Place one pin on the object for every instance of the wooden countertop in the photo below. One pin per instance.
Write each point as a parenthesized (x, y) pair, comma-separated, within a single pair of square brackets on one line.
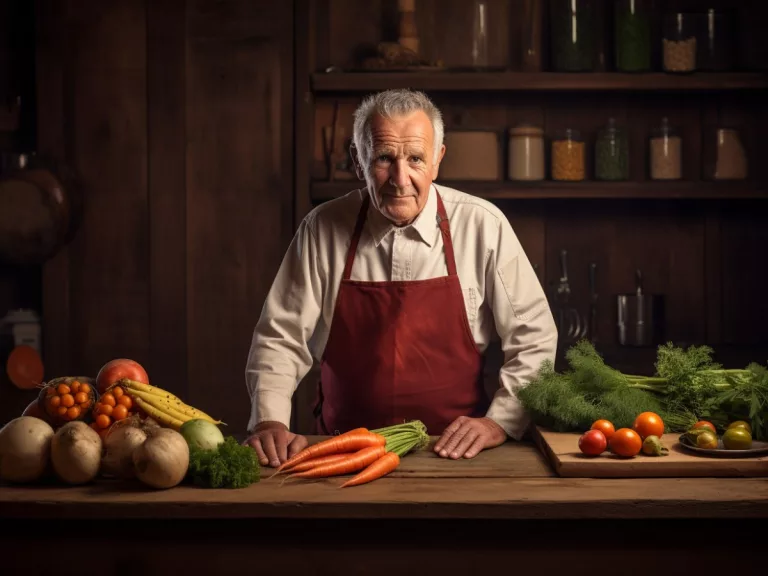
[(513, 481)]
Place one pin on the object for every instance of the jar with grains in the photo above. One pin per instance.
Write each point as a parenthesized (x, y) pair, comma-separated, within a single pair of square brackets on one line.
[(632, 32), (679, 43), (611, 153), (725, 157), (568, 156), (666, 153), (574, 35), (526, 153)]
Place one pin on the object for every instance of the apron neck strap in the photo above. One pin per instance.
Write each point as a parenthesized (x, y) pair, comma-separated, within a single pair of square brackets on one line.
[(442, 222)]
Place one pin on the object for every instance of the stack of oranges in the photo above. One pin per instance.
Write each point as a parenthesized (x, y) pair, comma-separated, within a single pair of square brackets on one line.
[(113, 406)]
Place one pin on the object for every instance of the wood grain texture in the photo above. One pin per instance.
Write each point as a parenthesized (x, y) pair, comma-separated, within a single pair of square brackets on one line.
[(239, 181), (166, 105), (568, 461), (109, 306)]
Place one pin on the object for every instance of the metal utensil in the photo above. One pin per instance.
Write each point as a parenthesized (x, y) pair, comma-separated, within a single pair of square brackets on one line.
[(640, 316), (568, 319)]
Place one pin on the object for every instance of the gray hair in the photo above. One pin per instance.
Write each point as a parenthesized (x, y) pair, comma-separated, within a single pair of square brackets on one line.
[(389, 104)]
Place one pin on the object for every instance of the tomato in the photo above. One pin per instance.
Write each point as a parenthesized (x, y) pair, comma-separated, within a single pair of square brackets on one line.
[(737, 439), (707, 440), (705, 424), (648, 424), (114, 370), (626, 442), (593, 443), (741, 424), (605, 426)]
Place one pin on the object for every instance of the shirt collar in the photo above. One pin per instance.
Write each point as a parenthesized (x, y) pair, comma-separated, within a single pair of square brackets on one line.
[(425, 223)]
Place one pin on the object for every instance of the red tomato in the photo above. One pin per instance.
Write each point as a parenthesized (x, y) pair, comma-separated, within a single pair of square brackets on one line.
[(648, 424), (114, 370), (626, 442), (705, 424), (605, 426), (593, 443)]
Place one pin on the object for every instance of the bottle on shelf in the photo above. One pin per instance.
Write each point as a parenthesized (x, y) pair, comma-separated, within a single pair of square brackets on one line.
[(574, 35), (568, 156), (665, 152), (679, 44), (724, 154), (611, 153), (526, 153), (632, 36)]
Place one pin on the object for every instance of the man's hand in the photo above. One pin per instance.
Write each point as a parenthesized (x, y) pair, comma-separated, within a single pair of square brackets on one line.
[(467, 437), (274, 443)]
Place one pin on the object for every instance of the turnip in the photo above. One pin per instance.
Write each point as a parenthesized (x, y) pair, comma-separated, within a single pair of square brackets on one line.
[(163, 460), (117, 459), (76, 453), (25, 447), (201, 434)]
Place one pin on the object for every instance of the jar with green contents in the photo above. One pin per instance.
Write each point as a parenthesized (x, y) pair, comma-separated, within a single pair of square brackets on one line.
[(611, 153), (632, 28), (574, 34)]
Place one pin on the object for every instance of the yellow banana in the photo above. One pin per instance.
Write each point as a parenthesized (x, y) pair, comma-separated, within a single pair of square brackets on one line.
[(163, 406), (162, 417), (146, 391)]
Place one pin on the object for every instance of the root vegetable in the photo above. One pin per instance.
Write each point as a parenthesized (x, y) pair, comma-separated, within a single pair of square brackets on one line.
[(25, 446), (76, 453), (119, 445), (163, 460)]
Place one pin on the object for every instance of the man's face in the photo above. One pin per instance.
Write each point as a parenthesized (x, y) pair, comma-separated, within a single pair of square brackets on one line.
[(402, 166)]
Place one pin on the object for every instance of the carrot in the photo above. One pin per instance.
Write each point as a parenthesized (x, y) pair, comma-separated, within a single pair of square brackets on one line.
[(311, 463), (351, 441), (352, 463), (377, 469)]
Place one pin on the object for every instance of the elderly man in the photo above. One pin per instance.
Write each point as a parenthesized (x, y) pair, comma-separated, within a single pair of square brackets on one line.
[(397, 289)]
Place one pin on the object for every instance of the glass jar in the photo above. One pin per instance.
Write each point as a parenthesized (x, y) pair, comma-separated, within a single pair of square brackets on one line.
[(666, 153), (526, 153), (632, 30), (611, 153), (725, 157), (568, 156), (530, 36), (574, 34), (679, 43), (715, 41)]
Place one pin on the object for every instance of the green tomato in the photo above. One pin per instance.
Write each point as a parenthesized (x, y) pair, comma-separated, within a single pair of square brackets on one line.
[(737, 439), (740, 424), (706, 440)]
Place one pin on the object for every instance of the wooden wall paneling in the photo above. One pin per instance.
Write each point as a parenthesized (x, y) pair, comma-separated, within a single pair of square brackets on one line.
[(53, 82), (354, 30), (239, 175), (744, 238), (109, 264), (166, 101), (305, 59)]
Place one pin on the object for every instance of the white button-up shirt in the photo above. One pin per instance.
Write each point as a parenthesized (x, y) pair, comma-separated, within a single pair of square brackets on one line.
[(502, 294)]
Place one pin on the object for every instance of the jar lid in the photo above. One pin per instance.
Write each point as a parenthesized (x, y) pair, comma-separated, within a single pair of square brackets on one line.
[(526, 130)]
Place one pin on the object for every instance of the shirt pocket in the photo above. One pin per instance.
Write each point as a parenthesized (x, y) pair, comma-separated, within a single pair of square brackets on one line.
[(470, 304)]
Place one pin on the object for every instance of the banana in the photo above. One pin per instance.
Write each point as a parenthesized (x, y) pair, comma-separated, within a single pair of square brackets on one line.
[(162, 417), (146, 392)]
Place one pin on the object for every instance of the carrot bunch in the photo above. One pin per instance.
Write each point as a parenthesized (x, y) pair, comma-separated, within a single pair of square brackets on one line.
[(371, 453)]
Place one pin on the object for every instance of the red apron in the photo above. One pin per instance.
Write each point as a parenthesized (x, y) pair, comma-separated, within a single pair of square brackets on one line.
[(400, 350)]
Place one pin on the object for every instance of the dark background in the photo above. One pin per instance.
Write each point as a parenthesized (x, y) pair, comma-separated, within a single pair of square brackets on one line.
[(194, 130)]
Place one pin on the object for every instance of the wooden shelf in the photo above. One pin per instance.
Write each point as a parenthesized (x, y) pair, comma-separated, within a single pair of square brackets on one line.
[(535, 81), (322, 191)]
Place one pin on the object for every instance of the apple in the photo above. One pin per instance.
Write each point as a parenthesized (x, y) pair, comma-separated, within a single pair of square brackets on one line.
[(119, 368)]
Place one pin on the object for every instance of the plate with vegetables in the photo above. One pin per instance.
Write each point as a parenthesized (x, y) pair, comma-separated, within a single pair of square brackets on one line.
[(735, 442)]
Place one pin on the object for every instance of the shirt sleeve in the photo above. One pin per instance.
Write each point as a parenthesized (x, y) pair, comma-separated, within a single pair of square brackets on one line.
[(524, 323), (279, 356)]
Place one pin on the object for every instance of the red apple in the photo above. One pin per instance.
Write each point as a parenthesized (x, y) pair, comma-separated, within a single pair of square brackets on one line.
[(119, 368)]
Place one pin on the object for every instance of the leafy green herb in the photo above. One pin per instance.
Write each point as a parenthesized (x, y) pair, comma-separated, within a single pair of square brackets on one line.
[(688, 386), (230, 465)]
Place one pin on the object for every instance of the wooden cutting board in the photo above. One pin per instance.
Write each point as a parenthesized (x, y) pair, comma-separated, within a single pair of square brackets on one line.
[(562, 449)]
